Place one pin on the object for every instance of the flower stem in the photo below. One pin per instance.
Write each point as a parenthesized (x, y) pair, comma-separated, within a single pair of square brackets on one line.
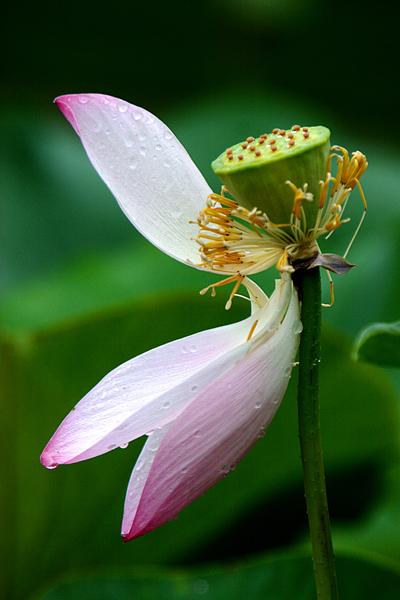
[(309, 284)]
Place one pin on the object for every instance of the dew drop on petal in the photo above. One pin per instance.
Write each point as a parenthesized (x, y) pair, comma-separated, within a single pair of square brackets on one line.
[(193, 348), (184, 470), (197, 433), (158, 147), (133, 163), (137, 115), (194, 388), (123, 446), (122, 108), (166, 404), (297, 326), (257, 405), (111, 447), (52, 466), (184, 350), (83, 99), (276, 400), (168, 135)]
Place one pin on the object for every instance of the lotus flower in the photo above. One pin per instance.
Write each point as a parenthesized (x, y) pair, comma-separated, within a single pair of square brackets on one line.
[(204, 400)]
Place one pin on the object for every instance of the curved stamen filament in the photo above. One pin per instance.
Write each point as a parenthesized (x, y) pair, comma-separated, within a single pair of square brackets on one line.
[(237, 242)]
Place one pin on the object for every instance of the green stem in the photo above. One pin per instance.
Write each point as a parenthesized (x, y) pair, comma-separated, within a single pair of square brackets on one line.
[(309, 284)]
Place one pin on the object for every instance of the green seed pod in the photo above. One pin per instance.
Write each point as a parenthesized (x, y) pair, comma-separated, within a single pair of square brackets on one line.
[(256, 171)]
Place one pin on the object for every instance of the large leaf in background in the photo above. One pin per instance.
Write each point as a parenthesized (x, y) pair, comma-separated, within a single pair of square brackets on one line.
[(75, 511), (278, 578), (379, 344)]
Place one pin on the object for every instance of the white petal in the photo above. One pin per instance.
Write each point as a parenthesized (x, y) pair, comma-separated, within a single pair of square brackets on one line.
[(215, 431), (139, 475), (142, 394), (147, 169)]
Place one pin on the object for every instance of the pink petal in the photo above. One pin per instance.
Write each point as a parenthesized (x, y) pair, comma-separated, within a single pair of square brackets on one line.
[(147, 169), (215, 431), (142, 394)]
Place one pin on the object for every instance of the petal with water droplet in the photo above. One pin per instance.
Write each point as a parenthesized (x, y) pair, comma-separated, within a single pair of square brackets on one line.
[(147, 169), (216, 430), (142, 394)]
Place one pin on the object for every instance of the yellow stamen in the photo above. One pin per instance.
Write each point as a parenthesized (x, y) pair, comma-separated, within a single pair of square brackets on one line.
[(252, 330)]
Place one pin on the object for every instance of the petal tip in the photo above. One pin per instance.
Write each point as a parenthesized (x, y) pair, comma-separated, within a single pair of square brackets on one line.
[(63, 104), (47, 460)]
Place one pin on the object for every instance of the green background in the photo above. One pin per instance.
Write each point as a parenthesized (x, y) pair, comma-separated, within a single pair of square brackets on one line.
[(81, 291)]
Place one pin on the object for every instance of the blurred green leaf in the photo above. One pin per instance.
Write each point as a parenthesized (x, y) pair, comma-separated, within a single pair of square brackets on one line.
[(379, 344), (278, 578)]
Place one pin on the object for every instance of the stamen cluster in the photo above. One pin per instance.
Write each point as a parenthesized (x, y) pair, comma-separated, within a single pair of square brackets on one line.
[(241, 242)]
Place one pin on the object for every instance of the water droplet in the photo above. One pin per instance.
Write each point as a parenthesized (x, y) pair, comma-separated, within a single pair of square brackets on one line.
[(142, 137), (168, 135), (257, 405), (184, 470), (184, 350), (122, 108), (193, 348), (194, 388), (288, 370), (166, 163), (123, 446), (233, 467), (129, 142), (143, 150), (83, 99), (111, 447), (276, 400), (226, 469), (158, 147), (297, 326), (133, 163), (137, 115), (139, 465), (52, 466), (166, 404), (197, 433)]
